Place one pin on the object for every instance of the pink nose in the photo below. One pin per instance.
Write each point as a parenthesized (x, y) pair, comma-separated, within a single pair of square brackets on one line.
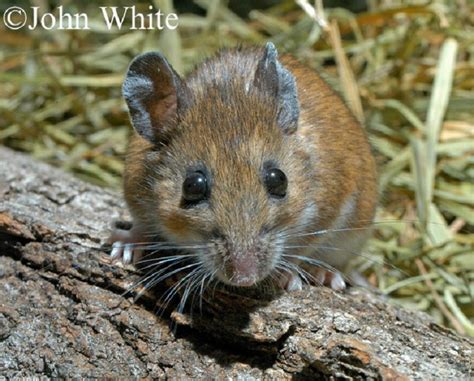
[(243, 271)]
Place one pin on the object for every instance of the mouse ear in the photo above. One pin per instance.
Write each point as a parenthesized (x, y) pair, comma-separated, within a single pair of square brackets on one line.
[(155, 94), (275, 81)]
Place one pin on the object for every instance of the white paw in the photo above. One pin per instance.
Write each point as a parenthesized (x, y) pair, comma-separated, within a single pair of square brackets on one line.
[(125, 246), (294, 283), (328, 278), (336, 282), (291, 282), (122, 252)]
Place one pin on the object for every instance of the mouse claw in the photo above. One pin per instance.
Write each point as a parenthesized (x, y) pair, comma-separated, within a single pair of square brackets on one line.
[(330, 279), (291, 282), (124, 246), (336, 282), (116, 250), (127, 254), (294, 283)]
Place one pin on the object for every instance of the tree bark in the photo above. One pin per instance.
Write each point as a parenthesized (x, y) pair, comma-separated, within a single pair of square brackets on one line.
[(62, 313)]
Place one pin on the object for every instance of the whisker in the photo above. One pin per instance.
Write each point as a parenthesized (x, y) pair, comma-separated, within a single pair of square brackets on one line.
[(293, 267), (287, 232), (273, 276), (142, 280), (194, 287), (326, 231), (168, 275), (204, 287), (157, 248), (155, 253), (318, 263), (214, 289), (355, 253), (167, 258), (168, 295), (161, 260), (198, 285), (157, 277)]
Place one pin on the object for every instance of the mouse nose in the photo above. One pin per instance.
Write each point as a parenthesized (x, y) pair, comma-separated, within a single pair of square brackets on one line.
[(242, 270), (239, 260)]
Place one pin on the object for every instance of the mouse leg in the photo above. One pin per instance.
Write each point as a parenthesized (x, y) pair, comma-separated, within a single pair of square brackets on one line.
[(124, 245)]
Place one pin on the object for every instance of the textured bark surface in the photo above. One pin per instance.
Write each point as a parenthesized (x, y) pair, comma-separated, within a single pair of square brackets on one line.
[(62, 313)]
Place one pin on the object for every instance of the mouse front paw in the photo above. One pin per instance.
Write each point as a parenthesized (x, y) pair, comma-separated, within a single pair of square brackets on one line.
[(290, 281), (332, 279), (125, 246)]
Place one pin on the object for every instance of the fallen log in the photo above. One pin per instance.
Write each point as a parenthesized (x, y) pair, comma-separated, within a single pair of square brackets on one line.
[(63, 313)]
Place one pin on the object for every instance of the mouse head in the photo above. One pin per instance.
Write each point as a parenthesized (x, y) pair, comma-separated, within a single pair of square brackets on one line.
[(228, 173)]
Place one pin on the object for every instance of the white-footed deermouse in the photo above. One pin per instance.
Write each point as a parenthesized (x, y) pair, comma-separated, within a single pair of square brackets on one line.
[(253, 162)]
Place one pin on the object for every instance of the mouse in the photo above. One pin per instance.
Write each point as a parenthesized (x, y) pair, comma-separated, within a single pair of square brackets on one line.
[(252, 164)]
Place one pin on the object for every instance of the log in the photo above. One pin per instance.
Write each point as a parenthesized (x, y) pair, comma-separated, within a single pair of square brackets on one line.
[(63, 312)]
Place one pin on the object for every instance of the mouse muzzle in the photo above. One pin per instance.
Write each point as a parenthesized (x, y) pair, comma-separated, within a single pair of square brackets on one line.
[(243, 263), (241, 269)]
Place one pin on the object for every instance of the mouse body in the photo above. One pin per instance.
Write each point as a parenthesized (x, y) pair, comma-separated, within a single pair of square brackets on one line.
[(253, 162)]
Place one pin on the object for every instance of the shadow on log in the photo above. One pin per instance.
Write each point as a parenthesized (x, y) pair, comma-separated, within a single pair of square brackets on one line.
[(62, 313)]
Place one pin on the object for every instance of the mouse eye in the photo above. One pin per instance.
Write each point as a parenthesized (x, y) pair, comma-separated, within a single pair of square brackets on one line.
[(276, 182), (195, 187)]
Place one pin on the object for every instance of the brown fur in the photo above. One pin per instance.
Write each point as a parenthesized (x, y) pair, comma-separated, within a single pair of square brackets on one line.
[(327, 162)]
